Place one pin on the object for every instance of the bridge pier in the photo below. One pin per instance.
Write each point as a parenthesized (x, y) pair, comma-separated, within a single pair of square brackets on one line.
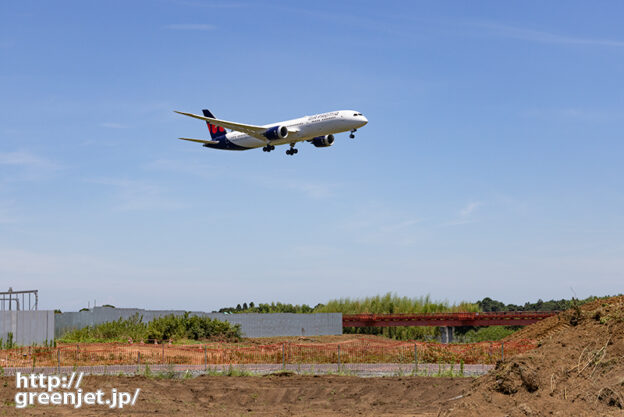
[(447, 334)]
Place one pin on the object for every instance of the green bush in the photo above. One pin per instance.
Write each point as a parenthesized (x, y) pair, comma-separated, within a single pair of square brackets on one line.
[(268, 308), (192, 328), (170, 327), (487, 334)]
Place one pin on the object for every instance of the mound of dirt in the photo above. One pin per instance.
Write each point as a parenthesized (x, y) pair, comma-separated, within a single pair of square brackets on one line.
[(577, 369)]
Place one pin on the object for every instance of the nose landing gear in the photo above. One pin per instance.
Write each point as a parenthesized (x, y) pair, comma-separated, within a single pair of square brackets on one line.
[(268, 148), (292, 150), (352, 136)]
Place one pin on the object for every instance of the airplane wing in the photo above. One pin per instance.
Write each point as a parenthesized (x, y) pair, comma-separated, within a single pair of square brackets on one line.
[(252, 130), (209, 142)]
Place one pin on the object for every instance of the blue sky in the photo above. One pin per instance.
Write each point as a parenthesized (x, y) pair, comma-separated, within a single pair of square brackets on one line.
[(491, 164)]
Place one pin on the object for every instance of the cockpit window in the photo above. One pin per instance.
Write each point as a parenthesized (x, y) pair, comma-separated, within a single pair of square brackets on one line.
[(357, 114)]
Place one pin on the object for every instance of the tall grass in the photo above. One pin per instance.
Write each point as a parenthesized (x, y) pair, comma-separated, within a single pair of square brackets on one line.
[(393, 304)]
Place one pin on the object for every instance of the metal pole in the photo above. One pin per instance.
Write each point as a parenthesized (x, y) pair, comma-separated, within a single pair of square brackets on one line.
[(205, 358), (138, 361), (58, 360), (283, 355), (338, 358), (503, 351), (416, 356), (163, 352)]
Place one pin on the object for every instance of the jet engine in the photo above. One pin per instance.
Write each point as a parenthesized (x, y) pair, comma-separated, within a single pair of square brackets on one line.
[(276, 132), (323, 141)]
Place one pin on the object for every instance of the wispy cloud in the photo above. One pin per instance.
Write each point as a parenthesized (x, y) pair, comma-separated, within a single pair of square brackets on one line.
[(26, 166), (311, 189), (576, 114), (135, 195), (466, 214), (191, 26), (315, 190), (194, 168), (25, 159), (469, 209), (532, 35), (381, 225)]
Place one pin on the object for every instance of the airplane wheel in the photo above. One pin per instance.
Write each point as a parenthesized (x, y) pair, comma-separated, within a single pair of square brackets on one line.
[(352, 136), (288, 152), (295, 150)]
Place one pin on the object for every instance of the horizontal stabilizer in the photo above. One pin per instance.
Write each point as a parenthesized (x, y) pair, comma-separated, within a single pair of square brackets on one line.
[(209, 142), (252, 130)]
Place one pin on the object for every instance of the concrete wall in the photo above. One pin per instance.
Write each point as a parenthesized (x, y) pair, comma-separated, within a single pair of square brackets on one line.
[(28, 327), (252, 324)]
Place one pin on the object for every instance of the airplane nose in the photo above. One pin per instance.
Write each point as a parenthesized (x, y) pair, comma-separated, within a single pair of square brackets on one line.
[(364, 120)]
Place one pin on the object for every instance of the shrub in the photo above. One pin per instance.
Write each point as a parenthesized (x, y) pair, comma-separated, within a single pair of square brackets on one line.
[(487, 334), (170, 327), (191, 327)]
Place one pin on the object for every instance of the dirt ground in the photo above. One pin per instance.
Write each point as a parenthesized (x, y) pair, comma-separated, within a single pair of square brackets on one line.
[(288, 395), (577, 369)]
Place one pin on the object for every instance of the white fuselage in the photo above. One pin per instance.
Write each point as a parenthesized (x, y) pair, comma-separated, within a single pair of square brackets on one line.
[(305, 128)]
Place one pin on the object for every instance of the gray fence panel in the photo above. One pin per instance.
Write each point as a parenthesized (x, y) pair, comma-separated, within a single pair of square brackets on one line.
[(28, 327), (252, 324)]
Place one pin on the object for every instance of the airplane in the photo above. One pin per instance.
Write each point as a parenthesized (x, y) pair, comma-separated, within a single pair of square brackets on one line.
[(318, 129)]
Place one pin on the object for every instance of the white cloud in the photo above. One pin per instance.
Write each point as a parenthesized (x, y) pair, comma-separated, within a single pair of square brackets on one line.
[(311, 189), (469, 209), (26, 166), (198, 169), (377, 224), (466, 214), (576, 114), (547, 37), (191, 26), (25, 159)]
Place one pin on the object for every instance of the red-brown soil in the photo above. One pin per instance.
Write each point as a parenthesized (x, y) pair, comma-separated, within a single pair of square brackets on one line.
[(288, 395), (577, 370)]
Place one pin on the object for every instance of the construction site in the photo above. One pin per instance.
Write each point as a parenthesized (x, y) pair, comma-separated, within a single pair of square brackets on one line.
[(566, 363)]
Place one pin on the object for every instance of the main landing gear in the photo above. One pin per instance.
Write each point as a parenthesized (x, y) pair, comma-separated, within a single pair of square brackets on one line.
[(292, 150), (268, 148), (352, 136)]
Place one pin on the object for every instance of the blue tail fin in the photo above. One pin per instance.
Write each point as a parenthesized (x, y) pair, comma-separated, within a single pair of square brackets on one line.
[(215, 131)]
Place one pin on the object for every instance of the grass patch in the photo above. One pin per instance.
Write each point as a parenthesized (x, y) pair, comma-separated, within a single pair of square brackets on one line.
[(171, 327)]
